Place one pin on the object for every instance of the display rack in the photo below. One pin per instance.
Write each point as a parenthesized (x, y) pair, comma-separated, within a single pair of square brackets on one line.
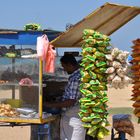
[(13, 70)]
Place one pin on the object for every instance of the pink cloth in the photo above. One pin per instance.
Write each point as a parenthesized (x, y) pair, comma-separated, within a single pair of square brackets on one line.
[(47, 53)]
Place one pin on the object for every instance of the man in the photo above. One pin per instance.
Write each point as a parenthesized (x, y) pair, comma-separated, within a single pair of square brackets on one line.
[(70, 124)]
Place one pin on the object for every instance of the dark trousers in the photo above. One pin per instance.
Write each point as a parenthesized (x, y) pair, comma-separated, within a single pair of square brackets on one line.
[(90, 138)]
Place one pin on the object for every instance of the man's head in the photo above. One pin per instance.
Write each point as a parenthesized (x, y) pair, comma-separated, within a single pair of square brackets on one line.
[(69, 63)]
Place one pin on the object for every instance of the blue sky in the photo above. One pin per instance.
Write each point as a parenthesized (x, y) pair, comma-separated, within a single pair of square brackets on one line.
[(55, 14)]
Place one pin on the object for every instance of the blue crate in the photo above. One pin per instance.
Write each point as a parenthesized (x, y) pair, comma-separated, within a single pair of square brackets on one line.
[(44, 131)]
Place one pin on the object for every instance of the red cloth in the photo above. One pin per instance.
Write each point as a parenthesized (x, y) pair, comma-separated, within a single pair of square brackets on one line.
[(47, 53)]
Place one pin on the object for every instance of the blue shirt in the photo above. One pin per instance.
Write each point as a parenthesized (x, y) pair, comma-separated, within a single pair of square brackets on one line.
[(72, 89)]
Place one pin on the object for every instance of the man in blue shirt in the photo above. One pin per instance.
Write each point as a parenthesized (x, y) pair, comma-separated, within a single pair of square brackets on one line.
[(70, 124)]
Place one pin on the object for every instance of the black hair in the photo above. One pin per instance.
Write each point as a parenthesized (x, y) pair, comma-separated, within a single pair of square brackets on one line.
[(68, 59)]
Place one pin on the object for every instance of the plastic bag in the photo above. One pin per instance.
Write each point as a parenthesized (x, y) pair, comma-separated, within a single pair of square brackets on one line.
[(26, 81), (116, 64), (111, 77), (116, 81), (110, 70), (109, 57), (115, 52), (122, 56), (120, 72), (121, 85)]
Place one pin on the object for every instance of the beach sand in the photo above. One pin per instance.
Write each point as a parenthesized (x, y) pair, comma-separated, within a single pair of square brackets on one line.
[(119, 102)]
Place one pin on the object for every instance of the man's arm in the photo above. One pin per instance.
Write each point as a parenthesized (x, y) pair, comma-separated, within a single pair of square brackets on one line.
[(66, 103)]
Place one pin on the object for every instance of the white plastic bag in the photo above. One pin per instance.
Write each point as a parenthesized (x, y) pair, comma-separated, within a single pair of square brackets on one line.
[(109, 57), (120, 72), (122, 56), (115, 52), (111, 77), (116, 64), (116, 81), (110, 70)]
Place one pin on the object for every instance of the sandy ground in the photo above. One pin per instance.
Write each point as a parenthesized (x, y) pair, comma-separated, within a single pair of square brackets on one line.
[(117, 99)]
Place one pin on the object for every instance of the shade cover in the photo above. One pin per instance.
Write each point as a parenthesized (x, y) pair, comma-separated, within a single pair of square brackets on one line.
[(106, 19)]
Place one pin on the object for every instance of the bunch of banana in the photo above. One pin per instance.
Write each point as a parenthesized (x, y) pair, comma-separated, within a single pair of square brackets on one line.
[(136, 72), (32, 26), (93, 107)]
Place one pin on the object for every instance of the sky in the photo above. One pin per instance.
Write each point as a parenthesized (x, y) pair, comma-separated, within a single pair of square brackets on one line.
[(55, 14)]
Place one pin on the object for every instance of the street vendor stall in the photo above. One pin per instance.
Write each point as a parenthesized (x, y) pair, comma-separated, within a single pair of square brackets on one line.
[(21, 76), (21, 73), (91, 35)]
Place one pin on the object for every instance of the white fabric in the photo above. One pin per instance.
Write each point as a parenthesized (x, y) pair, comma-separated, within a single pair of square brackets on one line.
[(39, 47), (71, 126)]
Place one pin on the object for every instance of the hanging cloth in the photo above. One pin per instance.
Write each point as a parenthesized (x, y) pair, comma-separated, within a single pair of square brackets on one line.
[(46, 52)]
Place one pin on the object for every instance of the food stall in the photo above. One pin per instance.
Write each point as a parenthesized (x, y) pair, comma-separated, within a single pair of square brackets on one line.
[(90, 36), (28, 98), (21, 73)]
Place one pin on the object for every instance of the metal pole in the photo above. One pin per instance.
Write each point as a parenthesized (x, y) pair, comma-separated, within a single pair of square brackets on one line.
[(13, 70), (40, 88)]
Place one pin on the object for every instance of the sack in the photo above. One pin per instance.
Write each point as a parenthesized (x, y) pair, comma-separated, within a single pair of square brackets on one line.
[(122, 122)]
